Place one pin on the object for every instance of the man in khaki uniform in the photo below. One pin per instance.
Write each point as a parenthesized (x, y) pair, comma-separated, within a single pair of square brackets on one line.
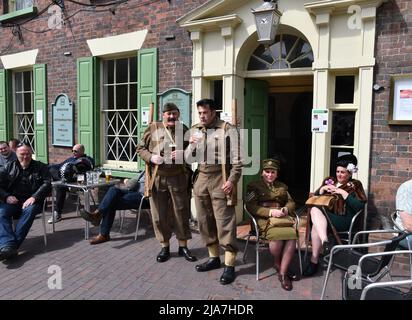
[(213, 191), (162, 147)]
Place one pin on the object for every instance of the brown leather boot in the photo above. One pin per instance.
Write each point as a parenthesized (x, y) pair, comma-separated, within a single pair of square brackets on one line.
[(93, 217), (100, 239)]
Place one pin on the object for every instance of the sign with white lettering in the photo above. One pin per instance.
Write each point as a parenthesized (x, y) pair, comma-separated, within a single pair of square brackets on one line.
[(63, 124)]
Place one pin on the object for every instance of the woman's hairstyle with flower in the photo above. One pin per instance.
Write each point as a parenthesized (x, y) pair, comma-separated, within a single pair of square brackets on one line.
[(349, 162)]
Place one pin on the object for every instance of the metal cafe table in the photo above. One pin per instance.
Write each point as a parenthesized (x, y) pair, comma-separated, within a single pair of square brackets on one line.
[(81, 187)]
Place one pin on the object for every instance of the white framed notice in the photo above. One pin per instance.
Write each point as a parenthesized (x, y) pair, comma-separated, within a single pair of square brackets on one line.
[(320, 120)]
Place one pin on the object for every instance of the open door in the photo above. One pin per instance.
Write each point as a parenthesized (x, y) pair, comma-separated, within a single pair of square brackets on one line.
[(256, 110)]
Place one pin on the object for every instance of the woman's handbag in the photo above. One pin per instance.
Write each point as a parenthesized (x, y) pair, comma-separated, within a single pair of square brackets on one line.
[(326, 200), (286, 221)]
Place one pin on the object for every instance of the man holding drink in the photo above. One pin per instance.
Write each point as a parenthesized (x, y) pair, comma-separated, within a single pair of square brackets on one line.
[(162, 148)]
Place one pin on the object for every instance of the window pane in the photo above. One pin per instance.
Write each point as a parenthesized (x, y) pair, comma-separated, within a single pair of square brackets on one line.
[(343, 128), (335, 154), (344, 89), (27, 80), (18, 81), (27, 102), (108, 70), (133, 96), (19, 102), (133, 69), (121, 70), (121, 96), (108, 98)]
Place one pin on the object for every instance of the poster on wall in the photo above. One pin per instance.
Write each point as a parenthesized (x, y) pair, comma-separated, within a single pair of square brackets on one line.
[(62, 121), (400, 104), (320, 120)]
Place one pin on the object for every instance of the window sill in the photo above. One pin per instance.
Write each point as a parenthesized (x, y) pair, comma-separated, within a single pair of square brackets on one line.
[(18, 14)]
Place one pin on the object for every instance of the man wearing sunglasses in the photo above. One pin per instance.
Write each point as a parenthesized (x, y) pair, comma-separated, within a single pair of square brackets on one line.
[(77, 153)]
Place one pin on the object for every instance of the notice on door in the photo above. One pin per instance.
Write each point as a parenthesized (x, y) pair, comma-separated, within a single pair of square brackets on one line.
[(320, 120)]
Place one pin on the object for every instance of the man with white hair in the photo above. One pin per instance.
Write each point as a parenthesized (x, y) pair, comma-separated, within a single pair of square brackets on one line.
[(24, 184)]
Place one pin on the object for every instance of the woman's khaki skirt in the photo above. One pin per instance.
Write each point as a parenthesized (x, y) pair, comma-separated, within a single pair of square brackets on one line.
[(276, 233)]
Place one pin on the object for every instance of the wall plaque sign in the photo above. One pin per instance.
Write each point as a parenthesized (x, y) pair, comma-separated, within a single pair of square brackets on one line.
[(63, 121), (181, 98)]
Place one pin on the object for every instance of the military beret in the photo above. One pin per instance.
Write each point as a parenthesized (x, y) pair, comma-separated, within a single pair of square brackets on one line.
[(270, 164), (170, 106)]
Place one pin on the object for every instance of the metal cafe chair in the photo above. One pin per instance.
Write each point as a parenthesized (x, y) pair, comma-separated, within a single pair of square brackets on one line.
[(355, 287), (263, 243), (394, 215), (357, 224), (346, 256)]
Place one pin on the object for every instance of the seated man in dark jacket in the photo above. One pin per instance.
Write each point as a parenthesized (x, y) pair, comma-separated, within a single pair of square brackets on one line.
[(24, 184), (55, 170), (115, 199)]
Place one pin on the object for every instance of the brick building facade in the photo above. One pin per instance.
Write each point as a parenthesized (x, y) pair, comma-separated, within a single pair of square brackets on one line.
[(85, 22), (391, 159)]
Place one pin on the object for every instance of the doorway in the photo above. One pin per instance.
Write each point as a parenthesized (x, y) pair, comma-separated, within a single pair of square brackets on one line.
[(290, 139)]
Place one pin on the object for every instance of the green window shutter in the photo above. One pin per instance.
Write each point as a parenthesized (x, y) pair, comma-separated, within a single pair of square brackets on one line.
[(40, 112), (147, 86), (6, 116), (87, 123)]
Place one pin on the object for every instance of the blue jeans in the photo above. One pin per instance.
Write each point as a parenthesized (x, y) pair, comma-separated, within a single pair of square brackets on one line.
[(116, 199), (11, 238)]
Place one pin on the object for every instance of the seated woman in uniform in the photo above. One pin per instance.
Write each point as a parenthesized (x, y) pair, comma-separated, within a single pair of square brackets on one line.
[(351, 199), (270, 201)]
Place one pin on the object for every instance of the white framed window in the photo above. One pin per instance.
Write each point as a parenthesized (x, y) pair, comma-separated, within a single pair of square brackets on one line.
[(15, 5), (23, 104), (119, 109)]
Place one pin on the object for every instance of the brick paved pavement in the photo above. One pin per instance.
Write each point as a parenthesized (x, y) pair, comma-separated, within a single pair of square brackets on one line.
[(126, 269)]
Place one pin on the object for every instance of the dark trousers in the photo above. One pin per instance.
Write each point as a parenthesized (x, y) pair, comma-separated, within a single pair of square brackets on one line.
[(60, 198), (117, 199), (11, 238)]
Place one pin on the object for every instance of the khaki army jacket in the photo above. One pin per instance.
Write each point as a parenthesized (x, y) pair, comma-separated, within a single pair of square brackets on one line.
[(158, 139), (210, 153), (259, 193)]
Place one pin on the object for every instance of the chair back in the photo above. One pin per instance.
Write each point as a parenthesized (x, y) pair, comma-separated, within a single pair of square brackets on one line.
[(386, 260)]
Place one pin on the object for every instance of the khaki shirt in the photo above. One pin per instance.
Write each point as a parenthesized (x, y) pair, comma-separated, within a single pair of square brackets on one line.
[(210, 154), (156, 141)]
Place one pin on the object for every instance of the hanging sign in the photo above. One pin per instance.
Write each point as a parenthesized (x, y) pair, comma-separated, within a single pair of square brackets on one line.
[(62, 121), (179, 97)]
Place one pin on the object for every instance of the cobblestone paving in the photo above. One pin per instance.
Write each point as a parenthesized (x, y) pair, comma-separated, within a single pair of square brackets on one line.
[(127, 269)]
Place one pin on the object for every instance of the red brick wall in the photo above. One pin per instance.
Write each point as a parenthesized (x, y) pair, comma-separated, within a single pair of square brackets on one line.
[(159, 17), (391, 160)]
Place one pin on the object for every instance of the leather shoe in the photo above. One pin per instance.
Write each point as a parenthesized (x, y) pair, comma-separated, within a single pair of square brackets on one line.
[(293, 276), (311, 269), (184, 251), (94, 217), (228, 275), (100, 239), (7, 253), (210, 264), (163, 255), (285, 282)]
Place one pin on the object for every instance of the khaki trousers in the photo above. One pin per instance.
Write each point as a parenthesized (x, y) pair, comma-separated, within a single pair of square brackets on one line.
[(217, 221), (169, 208)]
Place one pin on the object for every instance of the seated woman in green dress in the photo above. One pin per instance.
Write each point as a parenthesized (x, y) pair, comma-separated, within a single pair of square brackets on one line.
[(270, 202), (352, 198)]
